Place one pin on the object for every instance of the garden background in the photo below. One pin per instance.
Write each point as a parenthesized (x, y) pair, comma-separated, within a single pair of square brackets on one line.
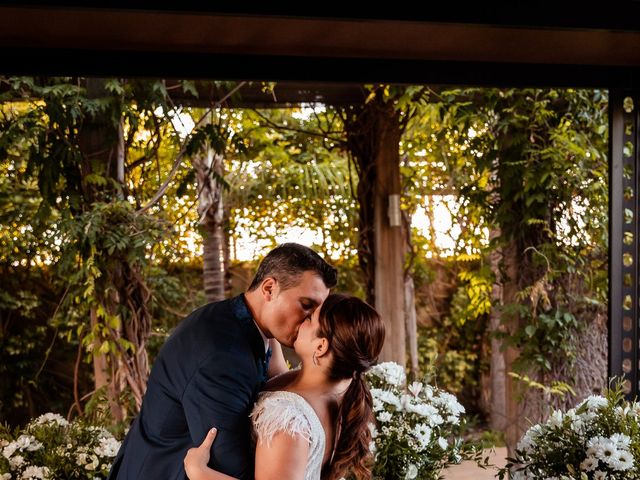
[(122, 210)]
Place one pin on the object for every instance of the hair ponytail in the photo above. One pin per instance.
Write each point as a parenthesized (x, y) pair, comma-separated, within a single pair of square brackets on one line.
[(356, 334), (352, 452)]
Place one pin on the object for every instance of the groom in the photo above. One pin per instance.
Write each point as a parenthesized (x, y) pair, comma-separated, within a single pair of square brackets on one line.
[(212, 367)]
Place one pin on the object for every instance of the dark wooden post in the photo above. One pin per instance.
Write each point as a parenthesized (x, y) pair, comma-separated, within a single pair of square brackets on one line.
[(389, 246), (373, 135), (623, 228)]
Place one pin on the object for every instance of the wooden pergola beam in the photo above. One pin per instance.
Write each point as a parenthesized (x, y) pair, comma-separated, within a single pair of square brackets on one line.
[(480, 46)]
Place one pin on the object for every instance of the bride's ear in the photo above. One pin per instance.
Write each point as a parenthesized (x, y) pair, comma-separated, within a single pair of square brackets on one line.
[(322, 348)]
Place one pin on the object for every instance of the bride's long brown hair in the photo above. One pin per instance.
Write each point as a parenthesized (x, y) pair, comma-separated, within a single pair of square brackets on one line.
[(356, 334)]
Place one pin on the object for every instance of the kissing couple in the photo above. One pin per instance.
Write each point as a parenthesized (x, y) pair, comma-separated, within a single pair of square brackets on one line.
[(221, 402)]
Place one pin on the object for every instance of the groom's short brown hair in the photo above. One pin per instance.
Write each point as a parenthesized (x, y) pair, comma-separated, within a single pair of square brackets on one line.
[(287, 262)]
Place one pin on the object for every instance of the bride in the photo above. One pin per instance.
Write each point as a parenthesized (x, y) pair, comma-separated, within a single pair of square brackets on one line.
[(312, 422)]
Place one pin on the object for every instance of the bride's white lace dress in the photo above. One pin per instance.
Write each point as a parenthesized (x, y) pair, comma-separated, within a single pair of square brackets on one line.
[(282, 411)]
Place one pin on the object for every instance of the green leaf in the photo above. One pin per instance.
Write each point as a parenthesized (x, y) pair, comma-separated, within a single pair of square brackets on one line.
[(189, 86), (530, 330)]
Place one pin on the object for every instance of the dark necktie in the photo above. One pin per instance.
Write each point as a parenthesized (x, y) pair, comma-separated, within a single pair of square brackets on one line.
[(265, 364)]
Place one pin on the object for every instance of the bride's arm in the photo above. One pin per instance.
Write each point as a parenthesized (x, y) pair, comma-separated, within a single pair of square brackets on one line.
[(284, 457), (195, 463)]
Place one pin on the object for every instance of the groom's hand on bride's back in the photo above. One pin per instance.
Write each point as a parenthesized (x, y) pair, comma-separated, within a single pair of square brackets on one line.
[(197, 458)]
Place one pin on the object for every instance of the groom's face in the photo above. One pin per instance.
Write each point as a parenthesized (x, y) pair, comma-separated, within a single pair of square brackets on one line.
[(287, 309)]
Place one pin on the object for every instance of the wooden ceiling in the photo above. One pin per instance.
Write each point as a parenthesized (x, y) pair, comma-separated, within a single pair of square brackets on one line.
[(542, 45)]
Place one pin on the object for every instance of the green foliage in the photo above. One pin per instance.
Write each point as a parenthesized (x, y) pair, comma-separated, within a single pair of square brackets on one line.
[(453, 342), (454, 351), (96, 245), (473, 299), (529, 166), (556, 388), (66, 218), (546, 339), (292, 175)]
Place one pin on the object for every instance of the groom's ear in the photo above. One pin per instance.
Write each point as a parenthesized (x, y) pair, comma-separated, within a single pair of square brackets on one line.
[(268, 288)]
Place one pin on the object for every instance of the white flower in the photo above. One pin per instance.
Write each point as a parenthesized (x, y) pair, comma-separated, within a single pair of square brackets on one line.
[(16, 461), (412, 472), (373, 430), (5, 476), (390, 372), (9, 450), (372, 447), (107, 447), (386, 396), (385, 416), (528, 440), (577, 423), (555, 420), (51, 418), (414, 405), (622, 412), (602, 448), (449, 402), (415, 388), (32, 472), (436, 420), (621, 461), (28, 443), (595, 401), (621, 440), (598, 475), (428, 392), (443, 443), (589, 464), (422, 434)]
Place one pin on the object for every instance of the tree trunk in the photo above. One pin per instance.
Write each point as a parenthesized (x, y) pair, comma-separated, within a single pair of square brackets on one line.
[(516, 424), (210, 209), (102, 375), (497, 404), (97, 150), (103, 150)]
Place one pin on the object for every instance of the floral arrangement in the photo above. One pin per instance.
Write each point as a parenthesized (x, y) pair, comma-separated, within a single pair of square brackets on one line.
[(49, 447), (418, 426), (599, 439)]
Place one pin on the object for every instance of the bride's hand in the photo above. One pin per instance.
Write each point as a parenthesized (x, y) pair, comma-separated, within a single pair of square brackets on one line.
[(195, 463)]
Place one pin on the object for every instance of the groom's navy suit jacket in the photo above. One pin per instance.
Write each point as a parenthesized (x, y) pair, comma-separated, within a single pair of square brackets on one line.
[(207, 374)]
